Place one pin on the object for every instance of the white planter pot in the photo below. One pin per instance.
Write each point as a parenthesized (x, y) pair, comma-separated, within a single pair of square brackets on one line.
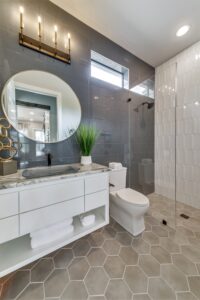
[(86, 160)]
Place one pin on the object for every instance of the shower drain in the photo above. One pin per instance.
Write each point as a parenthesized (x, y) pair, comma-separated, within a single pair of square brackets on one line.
[(184, 216), (164, 222)]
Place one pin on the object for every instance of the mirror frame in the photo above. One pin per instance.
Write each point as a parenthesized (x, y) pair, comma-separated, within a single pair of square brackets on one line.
[(37, 141)]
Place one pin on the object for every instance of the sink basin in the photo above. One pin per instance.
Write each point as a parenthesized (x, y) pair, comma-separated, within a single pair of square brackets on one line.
[(49, 171)]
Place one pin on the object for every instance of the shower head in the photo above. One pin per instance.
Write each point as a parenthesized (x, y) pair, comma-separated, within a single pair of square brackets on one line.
[(150, 105)]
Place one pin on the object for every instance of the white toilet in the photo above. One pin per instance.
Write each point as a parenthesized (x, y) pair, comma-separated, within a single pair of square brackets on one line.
[(127, 206)]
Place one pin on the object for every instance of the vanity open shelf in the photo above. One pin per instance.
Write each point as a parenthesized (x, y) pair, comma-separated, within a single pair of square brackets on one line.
[(18, 252), (31, 207)]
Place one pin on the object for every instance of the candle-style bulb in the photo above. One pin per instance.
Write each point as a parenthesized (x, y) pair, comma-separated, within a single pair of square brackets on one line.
[(39, 28), (55, 35), (21, 9), (69, 43)]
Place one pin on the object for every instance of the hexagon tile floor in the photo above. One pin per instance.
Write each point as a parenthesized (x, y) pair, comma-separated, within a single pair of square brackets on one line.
[(160, 264)]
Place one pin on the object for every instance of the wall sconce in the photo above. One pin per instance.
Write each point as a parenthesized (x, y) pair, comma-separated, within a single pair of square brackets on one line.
[(41, 47)]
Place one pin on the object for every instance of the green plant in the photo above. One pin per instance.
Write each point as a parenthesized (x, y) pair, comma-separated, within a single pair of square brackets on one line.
[(86, 137)]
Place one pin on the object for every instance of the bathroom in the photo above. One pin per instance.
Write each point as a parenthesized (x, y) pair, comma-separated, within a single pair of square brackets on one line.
[(140, 92)]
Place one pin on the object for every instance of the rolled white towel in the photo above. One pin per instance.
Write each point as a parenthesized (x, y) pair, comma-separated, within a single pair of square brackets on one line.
[(42, 240), (87, 220), (37, 242), (115, 165), (52, 228)]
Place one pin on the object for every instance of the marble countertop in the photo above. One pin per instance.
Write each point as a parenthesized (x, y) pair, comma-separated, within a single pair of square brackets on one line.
[(17, 180)]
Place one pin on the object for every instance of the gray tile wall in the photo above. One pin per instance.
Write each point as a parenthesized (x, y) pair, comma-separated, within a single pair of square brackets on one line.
[(109, 112)]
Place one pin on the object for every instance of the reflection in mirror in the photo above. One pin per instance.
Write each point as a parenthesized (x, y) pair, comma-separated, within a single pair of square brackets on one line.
[(41, 106)]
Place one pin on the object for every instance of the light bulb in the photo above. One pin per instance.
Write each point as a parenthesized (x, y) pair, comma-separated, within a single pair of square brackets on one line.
[(21, 9), (183, 30)]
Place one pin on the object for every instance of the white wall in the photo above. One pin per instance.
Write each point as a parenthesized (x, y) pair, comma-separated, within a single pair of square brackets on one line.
[(178, 83)]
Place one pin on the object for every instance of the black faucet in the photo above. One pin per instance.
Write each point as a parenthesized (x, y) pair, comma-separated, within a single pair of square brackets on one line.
[(49, 158)]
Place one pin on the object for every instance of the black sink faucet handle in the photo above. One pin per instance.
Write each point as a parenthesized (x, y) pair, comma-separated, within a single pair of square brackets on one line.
[(49, 158)]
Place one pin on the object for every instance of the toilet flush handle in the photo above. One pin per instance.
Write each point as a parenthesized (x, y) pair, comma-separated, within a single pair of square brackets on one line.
[(111, 184)]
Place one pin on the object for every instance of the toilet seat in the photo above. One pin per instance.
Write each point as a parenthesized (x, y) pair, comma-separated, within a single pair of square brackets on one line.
[(133, 197)]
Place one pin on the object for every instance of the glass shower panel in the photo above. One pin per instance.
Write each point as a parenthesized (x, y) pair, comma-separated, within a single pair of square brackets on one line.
[(163, 199), (141, 136)]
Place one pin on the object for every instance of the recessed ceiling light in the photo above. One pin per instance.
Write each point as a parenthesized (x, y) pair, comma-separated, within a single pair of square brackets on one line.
[(183, 30)]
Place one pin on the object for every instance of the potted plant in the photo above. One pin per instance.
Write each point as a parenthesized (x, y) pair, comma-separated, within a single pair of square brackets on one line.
[(86, 137)]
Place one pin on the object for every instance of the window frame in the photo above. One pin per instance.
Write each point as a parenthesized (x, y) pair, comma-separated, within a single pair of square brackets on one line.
[(124, 82)]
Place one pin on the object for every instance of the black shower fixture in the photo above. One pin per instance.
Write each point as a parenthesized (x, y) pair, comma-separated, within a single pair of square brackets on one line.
[(149, 106)]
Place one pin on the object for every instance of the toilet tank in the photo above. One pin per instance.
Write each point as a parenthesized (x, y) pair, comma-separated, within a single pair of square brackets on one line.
[(117, 179)]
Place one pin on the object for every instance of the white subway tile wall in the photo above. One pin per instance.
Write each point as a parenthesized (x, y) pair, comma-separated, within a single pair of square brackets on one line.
[(178, 103)]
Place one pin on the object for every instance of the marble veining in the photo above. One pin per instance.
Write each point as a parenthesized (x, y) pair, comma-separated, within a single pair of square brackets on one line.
[(17, 180)]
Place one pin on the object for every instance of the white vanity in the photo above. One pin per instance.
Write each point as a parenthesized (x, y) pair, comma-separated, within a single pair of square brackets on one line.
[(45, 109), (27, 205)]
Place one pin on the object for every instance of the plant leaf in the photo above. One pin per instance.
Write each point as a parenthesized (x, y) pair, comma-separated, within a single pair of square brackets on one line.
[(86, 137)]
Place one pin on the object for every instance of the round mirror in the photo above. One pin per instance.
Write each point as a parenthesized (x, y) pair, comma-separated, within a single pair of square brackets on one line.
[(41, 106)]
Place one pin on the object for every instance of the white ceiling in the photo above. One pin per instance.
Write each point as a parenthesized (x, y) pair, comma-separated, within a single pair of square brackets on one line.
[(146, 28)]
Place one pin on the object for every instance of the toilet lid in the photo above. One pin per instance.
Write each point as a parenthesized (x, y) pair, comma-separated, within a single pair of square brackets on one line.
[(133, 197)]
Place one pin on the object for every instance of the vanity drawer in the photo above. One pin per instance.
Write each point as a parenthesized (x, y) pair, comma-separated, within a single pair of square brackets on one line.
[(8, 205), (34, 220), (95, 183), (9, 229), (95, 200), (31, 199)]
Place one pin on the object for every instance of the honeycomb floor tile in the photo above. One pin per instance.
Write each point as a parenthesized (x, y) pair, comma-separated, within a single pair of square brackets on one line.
[(162, 263)]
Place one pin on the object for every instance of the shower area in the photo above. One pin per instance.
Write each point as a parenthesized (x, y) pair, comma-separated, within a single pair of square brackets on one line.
[(164, 137), (176, 198)]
